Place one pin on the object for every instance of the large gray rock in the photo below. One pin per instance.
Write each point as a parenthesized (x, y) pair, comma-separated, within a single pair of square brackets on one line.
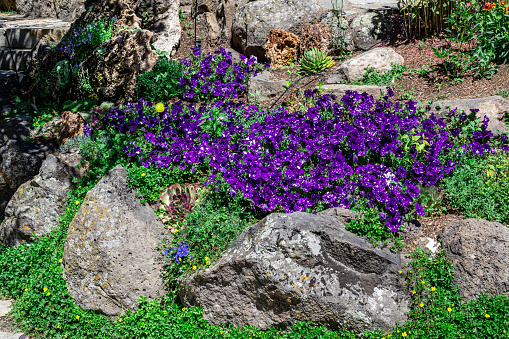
[(479, 251), (111, 249), (215, 19), (21, 161), (296, 267), (371, 28), (14, 128), (354, 69), (253, 20), (345, 216), (37, 204), (6, 335), (495, 108), (166, 28), (263, 88), (60, 9)]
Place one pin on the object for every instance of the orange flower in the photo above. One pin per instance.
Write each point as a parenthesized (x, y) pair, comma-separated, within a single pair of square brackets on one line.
[(488, 6), (503, 3), (507, 10)]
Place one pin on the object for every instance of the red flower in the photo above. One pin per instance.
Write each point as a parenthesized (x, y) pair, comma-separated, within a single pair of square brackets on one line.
[(488, 6)]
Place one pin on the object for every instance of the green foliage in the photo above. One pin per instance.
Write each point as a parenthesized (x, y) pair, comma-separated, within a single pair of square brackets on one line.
[(381, 78), (76, 106), (424, 18), (479, 187), (214, 223), (376, 232), (162, 82), (431, 198), (437, 309), (504, 93), (314, 61)]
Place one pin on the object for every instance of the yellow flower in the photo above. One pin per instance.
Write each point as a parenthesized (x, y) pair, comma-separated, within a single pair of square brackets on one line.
[(58, 326), (449, 309), (59, 260), (400, 271), (403, 334), (207, 259), (421, 304), (175, 230), (183, 309), (44, 289), (143, 174), (433, 289), (48, 294), (413, 292), (487, 315), (208, 263), (194, 268), (78, 317), (159, 107), (423, 282), (120, 320), (77, 202)]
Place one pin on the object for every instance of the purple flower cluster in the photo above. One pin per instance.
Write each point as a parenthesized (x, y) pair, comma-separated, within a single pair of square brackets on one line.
[(337, 153), (86, 36), (216, 76), (181, 252)]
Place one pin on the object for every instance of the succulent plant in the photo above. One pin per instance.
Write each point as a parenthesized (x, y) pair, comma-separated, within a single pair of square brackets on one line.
[(314, 61), (177, 201)]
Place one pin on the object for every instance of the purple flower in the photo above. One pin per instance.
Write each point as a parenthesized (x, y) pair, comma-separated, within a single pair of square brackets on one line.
[(419, 210), (86, 129)]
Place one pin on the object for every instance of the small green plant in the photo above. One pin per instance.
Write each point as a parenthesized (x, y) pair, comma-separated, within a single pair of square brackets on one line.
[(162, 82), (176, 202), (504, 93), (381, 78), (79, 105), (431, 199), (314, 61)]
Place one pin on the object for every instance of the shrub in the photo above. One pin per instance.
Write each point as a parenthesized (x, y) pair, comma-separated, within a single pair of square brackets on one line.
[(162, 82)]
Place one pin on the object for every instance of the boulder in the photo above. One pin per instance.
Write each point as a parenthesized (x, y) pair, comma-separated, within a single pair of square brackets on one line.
[(21, 161), (495, 108), (344, 215), (339, 90), (264, 88), (165, 24), (300, 267), (370, 29), (125, 58), (109, 258), (60, 9), (281, 48), (7, 335), (70, 126), (37, 204), (315, 35), (340, 36), (253, 20), (354, 69), (215, 19), (479, 251), (14, 128)]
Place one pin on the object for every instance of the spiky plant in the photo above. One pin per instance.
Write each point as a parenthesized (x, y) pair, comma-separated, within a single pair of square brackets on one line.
[(314, 61), (176, 202)]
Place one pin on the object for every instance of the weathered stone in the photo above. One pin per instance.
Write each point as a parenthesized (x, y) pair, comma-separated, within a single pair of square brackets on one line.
[(60, 9), (354, 69), (14, 128), (111, 249), (71, 126), (342, 214), (479, 251), (5, 307), (166, 28), (6, 335), (215, 18), (339, 90), (315, 35), (281, 48), (125, 58), (264, 88), (495, 108), (253, 20), (21, 161), (371, 28), (296, 267), (37, 204), (428, 245), (340, 36)]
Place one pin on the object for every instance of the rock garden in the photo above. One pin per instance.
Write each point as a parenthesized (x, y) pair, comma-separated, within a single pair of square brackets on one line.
[(254, 169)]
